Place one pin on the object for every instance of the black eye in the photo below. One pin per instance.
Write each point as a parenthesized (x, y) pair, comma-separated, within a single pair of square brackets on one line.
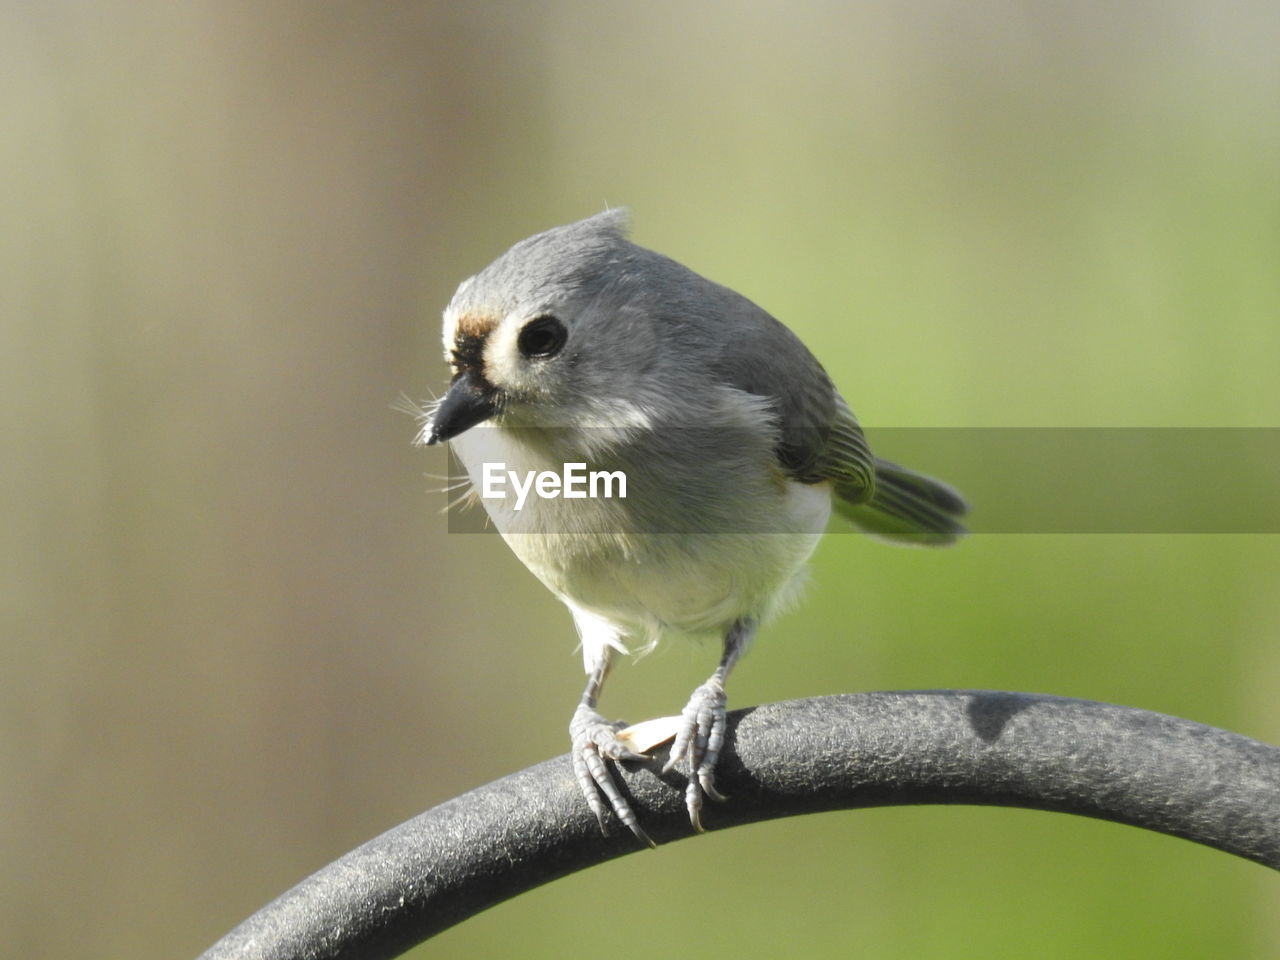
[(542, 338)]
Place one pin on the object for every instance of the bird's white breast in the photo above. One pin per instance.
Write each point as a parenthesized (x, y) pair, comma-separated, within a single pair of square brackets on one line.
[(610, 558)]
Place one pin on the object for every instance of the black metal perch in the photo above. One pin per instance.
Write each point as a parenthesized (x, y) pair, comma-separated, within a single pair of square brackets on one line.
[(802, 756)]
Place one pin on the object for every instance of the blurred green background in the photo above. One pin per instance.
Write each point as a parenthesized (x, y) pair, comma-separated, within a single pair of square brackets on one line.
[(237, 639)]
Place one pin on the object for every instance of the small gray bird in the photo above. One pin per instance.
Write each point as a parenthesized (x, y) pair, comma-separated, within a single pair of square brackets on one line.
[(577, 349)]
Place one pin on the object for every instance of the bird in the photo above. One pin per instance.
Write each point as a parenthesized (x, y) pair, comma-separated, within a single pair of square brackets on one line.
[(579, 350)]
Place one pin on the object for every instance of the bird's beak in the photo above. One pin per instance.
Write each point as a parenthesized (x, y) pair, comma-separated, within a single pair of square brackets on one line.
[(466, 404)]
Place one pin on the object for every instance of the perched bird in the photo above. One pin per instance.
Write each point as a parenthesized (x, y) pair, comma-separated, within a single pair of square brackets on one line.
[(577, 349)]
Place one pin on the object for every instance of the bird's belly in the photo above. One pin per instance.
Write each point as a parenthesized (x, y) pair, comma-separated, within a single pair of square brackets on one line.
[(651, 583), (625, 560)]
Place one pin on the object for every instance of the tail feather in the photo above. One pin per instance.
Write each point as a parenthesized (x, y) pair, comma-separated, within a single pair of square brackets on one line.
[(907, 507)]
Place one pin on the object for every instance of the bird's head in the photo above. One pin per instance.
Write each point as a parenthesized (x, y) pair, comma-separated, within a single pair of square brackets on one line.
[(557, 332)]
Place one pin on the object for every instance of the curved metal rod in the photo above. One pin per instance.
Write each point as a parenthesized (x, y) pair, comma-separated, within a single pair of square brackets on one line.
[(801, 756)]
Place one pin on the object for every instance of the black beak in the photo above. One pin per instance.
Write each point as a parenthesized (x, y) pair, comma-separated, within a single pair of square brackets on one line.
[(466, 404)]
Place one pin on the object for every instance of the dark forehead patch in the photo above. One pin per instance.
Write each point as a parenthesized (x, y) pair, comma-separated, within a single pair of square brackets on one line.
[(475, 325), (468, 353), (470, 334)]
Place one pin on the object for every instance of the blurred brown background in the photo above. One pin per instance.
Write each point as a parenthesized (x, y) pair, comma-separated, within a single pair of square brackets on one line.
[(236, 637)]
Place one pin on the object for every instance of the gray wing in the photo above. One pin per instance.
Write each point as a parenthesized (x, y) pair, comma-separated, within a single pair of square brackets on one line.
[(820, 438)]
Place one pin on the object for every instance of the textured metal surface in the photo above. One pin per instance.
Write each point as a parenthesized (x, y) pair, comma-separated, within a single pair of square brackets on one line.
[(802, 756)]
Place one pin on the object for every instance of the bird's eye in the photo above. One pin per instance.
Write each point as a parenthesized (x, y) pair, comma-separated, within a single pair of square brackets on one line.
[(542, 338)]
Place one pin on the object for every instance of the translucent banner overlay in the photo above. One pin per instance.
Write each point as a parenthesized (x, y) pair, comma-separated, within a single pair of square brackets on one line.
[(1016, 480)]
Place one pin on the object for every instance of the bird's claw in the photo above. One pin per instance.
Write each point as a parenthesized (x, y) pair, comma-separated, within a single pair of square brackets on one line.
[(595, 741), (698, 742)]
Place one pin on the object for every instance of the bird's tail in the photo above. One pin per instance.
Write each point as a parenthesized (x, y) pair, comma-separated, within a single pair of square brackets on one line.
[(908, 508)]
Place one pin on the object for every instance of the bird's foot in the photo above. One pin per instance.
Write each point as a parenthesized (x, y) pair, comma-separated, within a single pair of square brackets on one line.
[(698, 742), (595, 741)]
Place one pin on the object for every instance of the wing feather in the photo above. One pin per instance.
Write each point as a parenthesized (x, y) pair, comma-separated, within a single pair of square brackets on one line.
[(819, 437)]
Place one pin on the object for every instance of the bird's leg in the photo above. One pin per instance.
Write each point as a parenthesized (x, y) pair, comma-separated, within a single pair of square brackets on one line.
[(702, 722), (595, 741)]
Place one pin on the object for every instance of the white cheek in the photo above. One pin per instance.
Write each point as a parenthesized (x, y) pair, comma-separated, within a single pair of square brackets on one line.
[(503, 365)]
